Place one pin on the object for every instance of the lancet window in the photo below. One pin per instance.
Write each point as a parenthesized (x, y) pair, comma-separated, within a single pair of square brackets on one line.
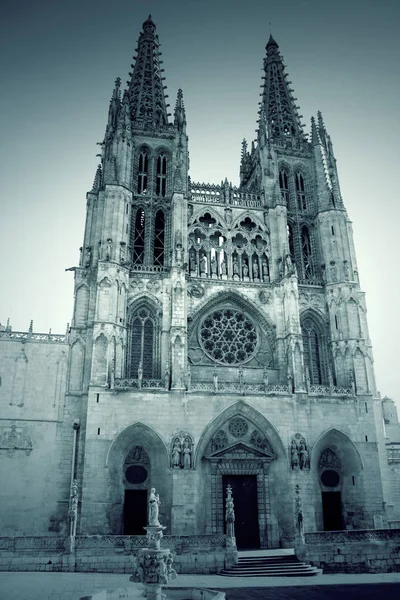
[(159, 239), (161, 176), (142, 347), (300, 192), (284, 185), (139, 237), (315, 350), (306, 252), (143, 172)]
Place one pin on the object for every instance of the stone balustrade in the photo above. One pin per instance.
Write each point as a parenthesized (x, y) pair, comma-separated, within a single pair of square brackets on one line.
[(37, 337), (217, 194)]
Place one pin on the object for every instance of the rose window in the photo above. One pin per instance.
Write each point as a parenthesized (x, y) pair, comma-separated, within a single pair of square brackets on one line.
[(238, 427), (228, 336)]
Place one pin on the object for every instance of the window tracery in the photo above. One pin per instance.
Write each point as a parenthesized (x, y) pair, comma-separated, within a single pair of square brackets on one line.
[(241, 254), (300, 192), (284, 185), (161, 175), (143, 172), (228, 337), (306, 252), (159, 239), (142, 347), (315, 351), (139, 237)]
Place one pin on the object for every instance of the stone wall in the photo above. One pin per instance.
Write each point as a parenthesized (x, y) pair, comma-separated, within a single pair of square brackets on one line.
[(362, 551), (112, 554), (32, 397)]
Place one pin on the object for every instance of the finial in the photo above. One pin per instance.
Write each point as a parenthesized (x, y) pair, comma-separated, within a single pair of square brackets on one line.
[(67, 329), (31, 326), (314, 133), (97, 179), (271, 43), (179, 112)]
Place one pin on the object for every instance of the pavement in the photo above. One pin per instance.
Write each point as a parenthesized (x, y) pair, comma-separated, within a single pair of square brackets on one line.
[(18, 585)]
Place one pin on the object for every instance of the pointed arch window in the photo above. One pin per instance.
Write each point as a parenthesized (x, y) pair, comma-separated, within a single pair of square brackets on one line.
[(159, 236), (139, 237), (306, 252), (314, 346), (143, 172), (141, 349), (284, 185), (300, 192), (161, 175)]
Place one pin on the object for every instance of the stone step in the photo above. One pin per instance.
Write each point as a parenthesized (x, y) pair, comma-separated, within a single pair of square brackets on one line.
[(270, 566)]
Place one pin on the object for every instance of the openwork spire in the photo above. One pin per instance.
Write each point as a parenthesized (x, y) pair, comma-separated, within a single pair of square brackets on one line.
[(278, 103), (146, 90)]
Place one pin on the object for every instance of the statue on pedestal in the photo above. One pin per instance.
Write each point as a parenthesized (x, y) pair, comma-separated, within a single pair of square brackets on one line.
[(187, 454), (154, 503), (176, 453)]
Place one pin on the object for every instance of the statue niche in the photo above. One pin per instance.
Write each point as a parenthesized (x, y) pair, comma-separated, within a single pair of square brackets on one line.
[(182, 451)]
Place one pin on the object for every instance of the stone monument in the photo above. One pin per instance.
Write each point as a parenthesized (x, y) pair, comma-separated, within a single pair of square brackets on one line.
[(154, 564)]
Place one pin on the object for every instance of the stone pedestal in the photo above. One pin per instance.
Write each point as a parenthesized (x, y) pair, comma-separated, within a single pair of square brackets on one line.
[(154, 564)]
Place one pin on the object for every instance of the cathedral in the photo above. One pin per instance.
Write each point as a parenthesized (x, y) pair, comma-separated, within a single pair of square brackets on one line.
[(219, 337)]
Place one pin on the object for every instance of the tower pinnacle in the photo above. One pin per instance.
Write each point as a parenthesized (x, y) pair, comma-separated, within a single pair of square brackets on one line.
[(146, 90), (279, 105)]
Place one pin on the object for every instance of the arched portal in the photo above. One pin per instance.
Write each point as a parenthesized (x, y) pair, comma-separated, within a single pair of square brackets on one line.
[(338, 469), (242, 449), (137, 460)]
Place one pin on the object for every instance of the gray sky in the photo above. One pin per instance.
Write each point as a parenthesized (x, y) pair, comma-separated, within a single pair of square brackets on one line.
[(59, 61)]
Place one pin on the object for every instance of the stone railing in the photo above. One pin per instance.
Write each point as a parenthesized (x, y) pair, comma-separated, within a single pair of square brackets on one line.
[(149, 269), (353, 535), (110, 543), (394, 524), (326, 390), (147, 384), (36, 337), (217, 194), (311, 281), (239, 388)]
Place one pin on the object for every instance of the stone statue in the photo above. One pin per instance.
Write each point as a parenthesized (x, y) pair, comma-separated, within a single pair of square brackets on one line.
[(333, 272), (245, 269), (265, 378), (229, 513), (265, 270), (171, 573), (80, 256), (166, 376), (241, 376), (122, 253), (192, 262), (179, 254), (112, 374), (203, 264), (308, 379), (323, 273), (294, 455), (189, 376), (304, 459), (352, 384), (346, 268), (213, 266), (215, 380), (154, 503), (235, 266), (109, 249), (223, 268), (187, 454), (140, 374), (255, 269), (176, 453), (288, 263), (280, 267), (88, 256)]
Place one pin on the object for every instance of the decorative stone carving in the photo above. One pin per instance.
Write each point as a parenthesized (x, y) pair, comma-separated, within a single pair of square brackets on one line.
[(299, 456), (259, 441), (187, 453), (176, 453), (12, 440), (196, 290), (137, 455), (166, 375), (264, 297), (299, 513), (215, 380), (219, 441), (88, 260), (333, 271), (140, 374), (238, 427), (73, 508), (329, 459)]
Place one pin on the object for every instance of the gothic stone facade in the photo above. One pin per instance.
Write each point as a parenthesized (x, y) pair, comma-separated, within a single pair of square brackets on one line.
[(219, 336)]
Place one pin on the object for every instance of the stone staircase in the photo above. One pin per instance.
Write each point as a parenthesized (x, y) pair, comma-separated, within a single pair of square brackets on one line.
[(275, 563)]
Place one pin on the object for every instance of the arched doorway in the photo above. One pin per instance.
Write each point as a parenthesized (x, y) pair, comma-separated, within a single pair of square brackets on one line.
[(137, 460), (240, 448)]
